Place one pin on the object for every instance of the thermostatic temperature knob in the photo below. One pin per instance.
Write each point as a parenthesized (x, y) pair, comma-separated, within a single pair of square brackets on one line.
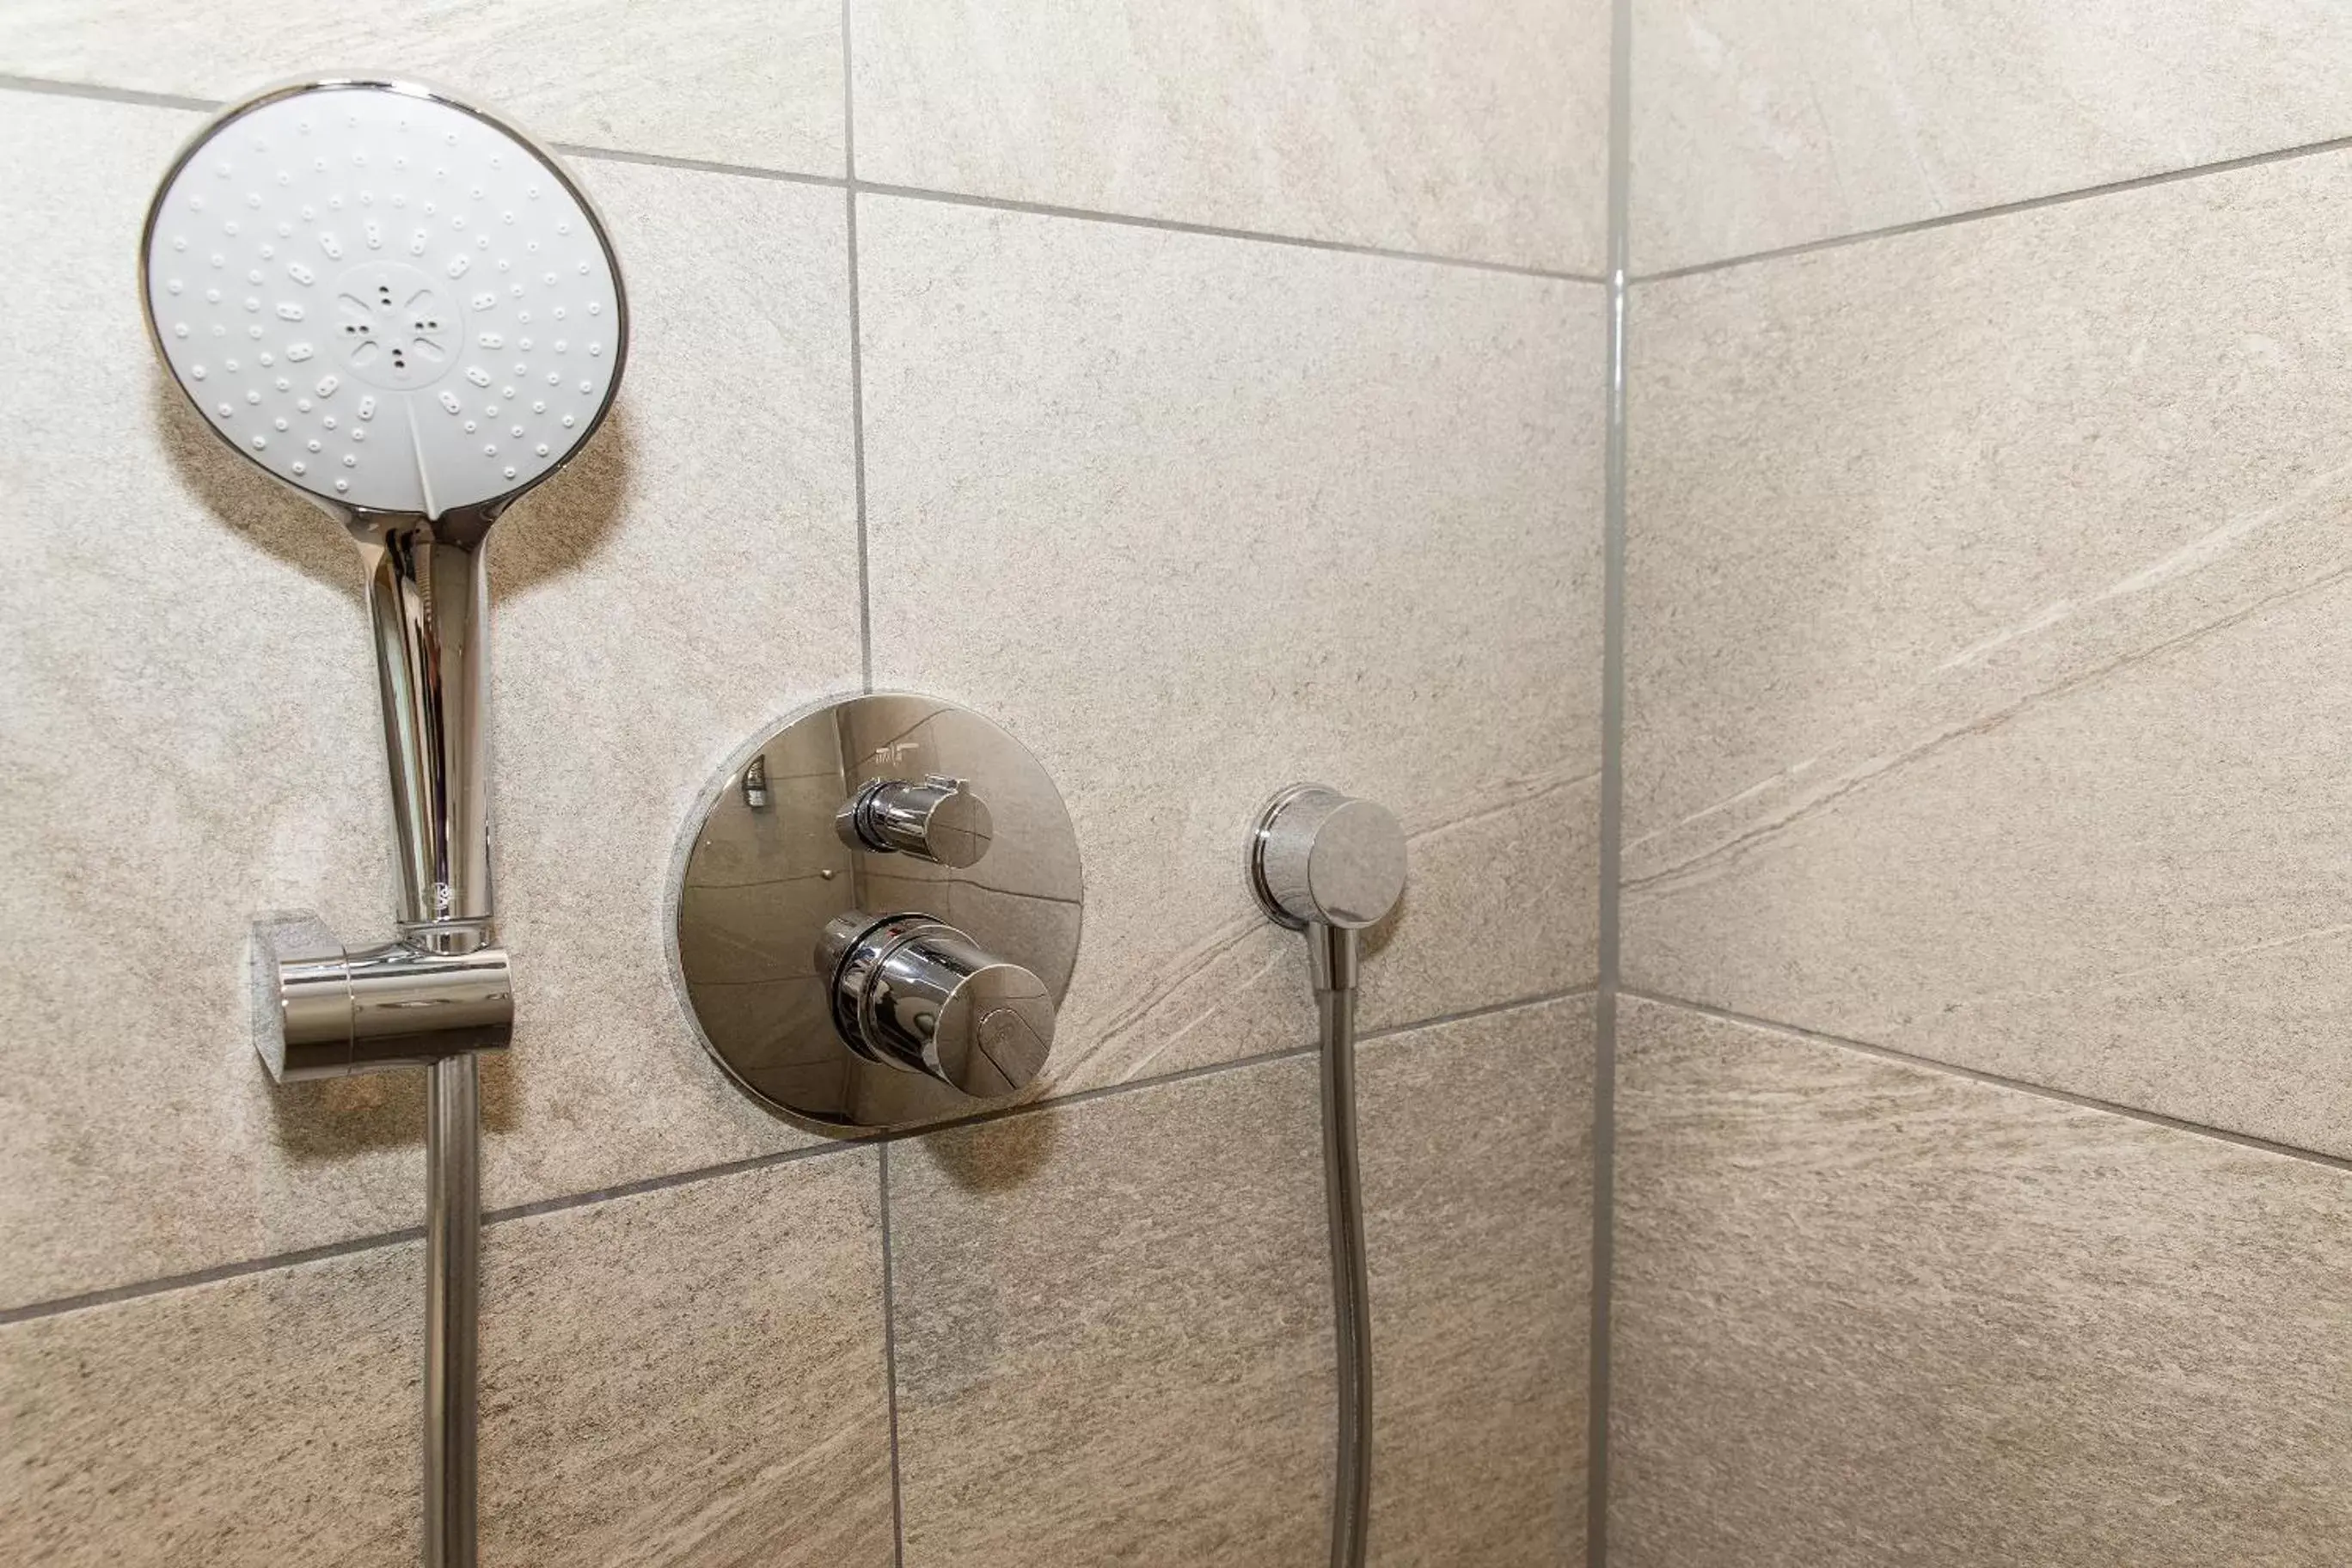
[(910, 991)]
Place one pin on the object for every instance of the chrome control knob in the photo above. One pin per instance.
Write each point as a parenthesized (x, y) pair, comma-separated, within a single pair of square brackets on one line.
[(912, 991), (1320, 857), (939, 820)]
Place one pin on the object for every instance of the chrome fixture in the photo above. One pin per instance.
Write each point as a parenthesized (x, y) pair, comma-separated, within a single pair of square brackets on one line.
[(877, 913), (1327, 864), (399, 306), (910, 991), (755, 784), (939, 820)]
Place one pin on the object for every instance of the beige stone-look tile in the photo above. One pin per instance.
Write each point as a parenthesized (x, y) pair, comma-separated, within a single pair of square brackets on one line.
[(1195, 519), (1761, 125), (267, 1418), (733, 82), (1114, 1338), (1986, 648), (188, 737), (1865, 1312), (188, 733), (1476, 1140), (692, 1376), (1477, 132)]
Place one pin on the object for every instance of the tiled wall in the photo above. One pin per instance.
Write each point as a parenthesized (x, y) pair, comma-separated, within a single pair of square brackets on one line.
[(1763, 124), (1982, 1191), (1214, 398), (1869, 1311)]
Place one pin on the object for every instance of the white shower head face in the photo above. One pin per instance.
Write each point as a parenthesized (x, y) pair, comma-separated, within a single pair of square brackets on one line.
[(384, 299)]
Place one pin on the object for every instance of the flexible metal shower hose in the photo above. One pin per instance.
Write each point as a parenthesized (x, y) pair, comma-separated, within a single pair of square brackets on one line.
[(1350, 1293)]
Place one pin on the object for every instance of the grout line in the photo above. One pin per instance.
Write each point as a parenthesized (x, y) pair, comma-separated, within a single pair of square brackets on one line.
[(857, 462), (891, 1365), (1211, 1070), (1264, 1058), (2005, 209), (2001, 1080), (164, 1284), (865, 665), (59, 88), (1487, 1010), (675, 1179), (1215, 231), (698, 165), (208, 1275), (857, 360), (106, 94), (848, 92), (1028, 1108), (1612, 788), (851, 183)]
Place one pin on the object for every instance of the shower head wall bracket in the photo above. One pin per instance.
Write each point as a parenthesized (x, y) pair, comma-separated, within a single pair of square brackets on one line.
[(321, 1010)]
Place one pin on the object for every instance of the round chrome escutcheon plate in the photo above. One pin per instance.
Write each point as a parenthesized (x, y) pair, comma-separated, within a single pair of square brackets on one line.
[(779, 850)]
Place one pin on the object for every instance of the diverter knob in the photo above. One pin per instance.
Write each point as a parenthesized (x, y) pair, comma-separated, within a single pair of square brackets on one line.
[(939, 820)]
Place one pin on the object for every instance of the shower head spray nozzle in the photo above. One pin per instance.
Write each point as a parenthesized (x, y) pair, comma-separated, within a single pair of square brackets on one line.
[(389, 299)]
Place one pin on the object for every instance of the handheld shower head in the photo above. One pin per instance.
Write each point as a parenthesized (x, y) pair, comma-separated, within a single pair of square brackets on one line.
[(400, 306), (388, 300)]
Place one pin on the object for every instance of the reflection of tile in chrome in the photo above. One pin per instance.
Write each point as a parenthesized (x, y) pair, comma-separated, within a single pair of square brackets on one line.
[(808, 747), (792, 834), (762, 932), (769, 1024), (881, 734), (1039, 934)]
